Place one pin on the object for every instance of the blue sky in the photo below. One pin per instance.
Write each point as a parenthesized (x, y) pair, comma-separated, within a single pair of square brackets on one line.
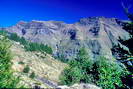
[(69, 11)]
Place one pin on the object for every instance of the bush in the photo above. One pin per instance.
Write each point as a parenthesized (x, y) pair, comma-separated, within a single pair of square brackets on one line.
[(21, 62), (61, 58), (104, 73), (32, 75), (110, 74), (78, 70), (26, 69), (15, 37), (3, 32), (71, 75), (7, 80), (38, 47)]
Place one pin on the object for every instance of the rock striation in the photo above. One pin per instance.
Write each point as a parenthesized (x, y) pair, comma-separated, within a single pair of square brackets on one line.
[(98, 34)]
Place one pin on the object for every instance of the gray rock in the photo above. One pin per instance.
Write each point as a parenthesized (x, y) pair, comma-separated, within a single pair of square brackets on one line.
[(80, 86), (98, 34)]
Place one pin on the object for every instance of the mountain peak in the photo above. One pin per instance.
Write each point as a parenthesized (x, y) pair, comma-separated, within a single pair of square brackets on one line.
[(91, 20), (21, 22)]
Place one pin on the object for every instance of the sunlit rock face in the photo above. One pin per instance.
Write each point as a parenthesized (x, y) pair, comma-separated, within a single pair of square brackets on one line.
[(80, 86), (96, 34)]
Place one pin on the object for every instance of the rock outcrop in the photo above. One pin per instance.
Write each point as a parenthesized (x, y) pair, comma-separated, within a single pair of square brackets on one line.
[(80, 86), (98, 34)]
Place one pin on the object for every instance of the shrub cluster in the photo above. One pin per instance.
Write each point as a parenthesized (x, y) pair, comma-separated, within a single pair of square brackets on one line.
[(7, 80), (26, 69), (32, 75), (38, 47), (103, 72), (29, 46)]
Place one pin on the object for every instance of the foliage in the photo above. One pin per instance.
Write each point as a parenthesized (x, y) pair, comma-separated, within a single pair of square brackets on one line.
[(78, 70), (110, 74), (3, 32), (71, 75), (29, 46), (21, 62), (125, 57), (62, 58), (26, 69), (32, 75), (7, 80), (38, 47), (14, 37), (104, 73)]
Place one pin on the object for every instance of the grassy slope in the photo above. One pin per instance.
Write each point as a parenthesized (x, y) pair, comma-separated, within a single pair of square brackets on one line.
[(44, 65)]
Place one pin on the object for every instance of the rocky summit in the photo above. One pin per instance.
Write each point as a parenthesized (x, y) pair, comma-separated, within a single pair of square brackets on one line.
[(98, 34)]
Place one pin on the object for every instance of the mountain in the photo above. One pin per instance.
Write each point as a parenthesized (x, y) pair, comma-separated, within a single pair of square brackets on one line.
[(98, 34)]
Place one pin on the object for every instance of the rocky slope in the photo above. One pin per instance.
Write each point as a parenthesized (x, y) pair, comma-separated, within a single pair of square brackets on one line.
[(80, 86), (98, 34)]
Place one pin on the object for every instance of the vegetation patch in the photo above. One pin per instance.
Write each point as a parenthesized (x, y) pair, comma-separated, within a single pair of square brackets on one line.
[(29, 46), (7, 79), (21, 62), (32, 75), (103, 72), (26, 69)]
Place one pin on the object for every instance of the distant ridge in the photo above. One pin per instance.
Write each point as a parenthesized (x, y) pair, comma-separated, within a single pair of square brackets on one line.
[(99, 34)]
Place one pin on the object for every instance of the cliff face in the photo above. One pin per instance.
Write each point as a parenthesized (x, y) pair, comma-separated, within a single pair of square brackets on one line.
[(99, 34)]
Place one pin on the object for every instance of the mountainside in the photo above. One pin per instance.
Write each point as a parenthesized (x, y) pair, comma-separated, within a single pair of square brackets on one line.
[(99, 34), (46, 69)]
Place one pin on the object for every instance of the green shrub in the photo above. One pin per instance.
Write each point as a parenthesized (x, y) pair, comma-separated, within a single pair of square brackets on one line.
[(79, 69), (21, 62), (110, 74), (32, 75), (7, 80), (3, 32), (38, 47), (26, 69), (103, 72), (61, 58), (15, 37), (71, 75), (23, 41), (30, 46)]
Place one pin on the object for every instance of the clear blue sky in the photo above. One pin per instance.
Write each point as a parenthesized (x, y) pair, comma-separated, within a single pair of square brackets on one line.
[(12, 11)]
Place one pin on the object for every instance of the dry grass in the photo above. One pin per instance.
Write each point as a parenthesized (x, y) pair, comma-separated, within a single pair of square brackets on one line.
[(42, 65)]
